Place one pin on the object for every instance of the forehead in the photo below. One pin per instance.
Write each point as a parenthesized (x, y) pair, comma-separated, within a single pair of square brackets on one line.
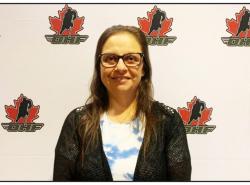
[(121, 43)]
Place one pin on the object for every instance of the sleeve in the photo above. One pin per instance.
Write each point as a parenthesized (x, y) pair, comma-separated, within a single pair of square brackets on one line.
[(67, 150), (178, 156)]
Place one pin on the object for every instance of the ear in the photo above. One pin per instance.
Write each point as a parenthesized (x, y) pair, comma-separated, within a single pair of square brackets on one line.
[(142, 73)]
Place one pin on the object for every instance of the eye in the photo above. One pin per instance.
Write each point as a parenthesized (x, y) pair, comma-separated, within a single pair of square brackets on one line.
[(109, 58), (130, 58)]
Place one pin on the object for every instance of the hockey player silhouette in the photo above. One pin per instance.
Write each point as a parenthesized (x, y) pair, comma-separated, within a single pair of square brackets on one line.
[(244, 22), (24, 107), (198, 107), (68, 20), (158, 17)]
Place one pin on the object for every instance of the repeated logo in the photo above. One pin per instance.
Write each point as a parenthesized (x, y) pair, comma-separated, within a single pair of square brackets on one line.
[(22, 115), (195, 117), (239, 29), (156, 26), (66, 26)]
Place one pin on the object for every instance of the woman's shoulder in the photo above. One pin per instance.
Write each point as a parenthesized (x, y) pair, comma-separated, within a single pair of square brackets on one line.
[(75, 115), (163, 109), (78, 111), (168, 115)]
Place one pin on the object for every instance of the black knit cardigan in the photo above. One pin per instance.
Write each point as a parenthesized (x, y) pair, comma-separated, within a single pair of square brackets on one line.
[(167, 158)]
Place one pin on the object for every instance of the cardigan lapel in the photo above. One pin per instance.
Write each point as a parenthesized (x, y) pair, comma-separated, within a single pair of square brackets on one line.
[(104, 158)]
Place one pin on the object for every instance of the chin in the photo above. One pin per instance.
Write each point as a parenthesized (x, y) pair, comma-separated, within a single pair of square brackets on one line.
[(122, 88)]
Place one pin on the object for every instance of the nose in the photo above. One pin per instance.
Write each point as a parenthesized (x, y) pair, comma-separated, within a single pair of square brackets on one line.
[(121, 66)]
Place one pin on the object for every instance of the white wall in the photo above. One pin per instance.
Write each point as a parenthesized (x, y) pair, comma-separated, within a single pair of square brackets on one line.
[(57, 78)]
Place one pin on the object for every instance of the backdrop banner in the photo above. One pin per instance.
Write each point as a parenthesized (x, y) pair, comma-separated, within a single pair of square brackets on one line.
[(201, 68)]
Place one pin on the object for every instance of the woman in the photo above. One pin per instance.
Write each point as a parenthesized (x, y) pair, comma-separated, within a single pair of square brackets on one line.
[(121, 133)]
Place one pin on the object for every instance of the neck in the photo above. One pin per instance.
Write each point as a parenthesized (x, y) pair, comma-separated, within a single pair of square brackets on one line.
[(122, 108)]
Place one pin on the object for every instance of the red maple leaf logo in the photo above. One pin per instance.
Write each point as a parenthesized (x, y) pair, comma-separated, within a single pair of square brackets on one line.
[(202, 116), (57, 22), (145, 24), (233, 25), (27, 115)]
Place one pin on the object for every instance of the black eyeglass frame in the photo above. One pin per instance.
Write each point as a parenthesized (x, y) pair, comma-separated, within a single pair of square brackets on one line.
[(121, 56)]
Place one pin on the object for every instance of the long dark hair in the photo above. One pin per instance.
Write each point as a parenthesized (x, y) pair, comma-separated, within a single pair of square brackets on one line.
[(98, 100)]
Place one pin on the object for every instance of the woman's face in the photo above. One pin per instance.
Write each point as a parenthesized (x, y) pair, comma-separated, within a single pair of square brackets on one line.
[(120, 78)]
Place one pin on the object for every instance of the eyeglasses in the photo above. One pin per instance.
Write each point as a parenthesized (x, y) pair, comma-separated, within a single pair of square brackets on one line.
[(129, 59)]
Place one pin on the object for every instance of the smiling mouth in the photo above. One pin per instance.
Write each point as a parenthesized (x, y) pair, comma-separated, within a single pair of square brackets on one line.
[(120, 78)]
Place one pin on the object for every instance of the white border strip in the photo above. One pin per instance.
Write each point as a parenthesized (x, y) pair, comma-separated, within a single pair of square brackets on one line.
[(125, 1)]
